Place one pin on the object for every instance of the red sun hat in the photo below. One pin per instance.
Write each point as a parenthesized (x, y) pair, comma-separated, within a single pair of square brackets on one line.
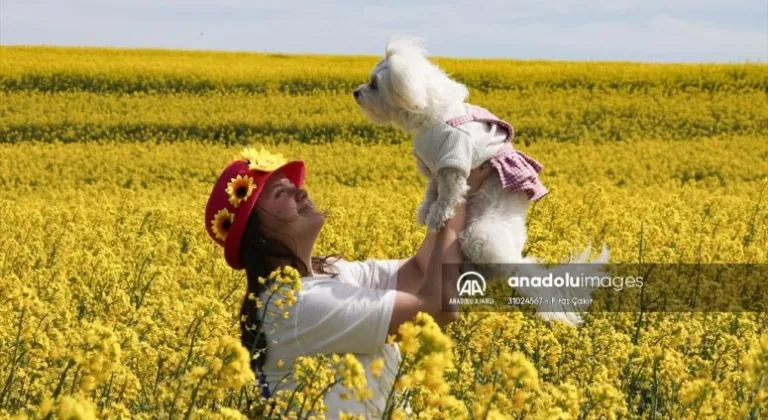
[(235, 193)]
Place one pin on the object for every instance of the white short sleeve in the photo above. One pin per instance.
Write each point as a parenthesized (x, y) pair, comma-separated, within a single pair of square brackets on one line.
[(337, 317), (443, 146), (371, 273)]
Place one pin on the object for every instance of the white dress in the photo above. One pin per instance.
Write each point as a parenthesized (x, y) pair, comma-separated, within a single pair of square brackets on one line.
[(346, 314)]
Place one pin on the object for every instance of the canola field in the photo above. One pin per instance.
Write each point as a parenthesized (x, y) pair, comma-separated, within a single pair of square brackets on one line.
[(116, 304)]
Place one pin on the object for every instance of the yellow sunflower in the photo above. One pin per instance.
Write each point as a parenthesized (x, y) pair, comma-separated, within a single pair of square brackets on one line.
[(221, 223), (240, 188), (261, 159)]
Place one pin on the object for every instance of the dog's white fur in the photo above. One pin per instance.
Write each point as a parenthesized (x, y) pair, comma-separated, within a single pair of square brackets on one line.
[(409, 91)]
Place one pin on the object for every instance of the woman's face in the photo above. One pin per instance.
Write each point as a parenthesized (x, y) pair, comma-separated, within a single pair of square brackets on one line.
[(286, 211)]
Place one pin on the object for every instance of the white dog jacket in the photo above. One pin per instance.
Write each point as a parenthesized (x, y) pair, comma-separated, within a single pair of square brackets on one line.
[(444, 145)]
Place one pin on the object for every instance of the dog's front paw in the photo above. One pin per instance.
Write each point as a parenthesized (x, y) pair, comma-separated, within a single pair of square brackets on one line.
[(438, 216), (423, 212)]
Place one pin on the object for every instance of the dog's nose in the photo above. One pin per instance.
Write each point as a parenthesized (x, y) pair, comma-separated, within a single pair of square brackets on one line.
[(356, 93)]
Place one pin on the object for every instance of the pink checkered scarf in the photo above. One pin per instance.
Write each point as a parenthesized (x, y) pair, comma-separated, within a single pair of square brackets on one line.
[(517, 171)]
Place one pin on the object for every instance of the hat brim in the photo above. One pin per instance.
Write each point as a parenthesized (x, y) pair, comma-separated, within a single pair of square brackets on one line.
[(295, 171)]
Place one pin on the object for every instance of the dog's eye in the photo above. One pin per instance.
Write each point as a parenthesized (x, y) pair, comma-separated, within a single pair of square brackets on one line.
[(374, 85)]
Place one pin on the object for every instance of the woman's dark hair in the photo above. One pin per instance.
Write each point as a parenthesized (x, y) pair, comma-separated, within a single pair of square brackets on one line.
[(255, 248)]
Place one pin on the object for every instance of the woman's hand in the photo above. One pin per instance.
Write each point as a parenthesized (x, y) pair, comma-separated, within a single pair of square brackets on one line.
[(477, 176)]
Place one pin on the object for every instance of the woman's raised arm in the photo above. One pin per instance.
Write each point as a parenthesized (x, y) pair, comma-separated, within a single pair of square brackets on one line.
[(437, 284)]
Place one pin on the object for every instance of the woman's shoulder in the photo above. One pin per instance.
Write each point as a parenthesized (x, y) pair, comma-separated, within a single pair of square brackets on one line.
[(335, 268), (352, 272)]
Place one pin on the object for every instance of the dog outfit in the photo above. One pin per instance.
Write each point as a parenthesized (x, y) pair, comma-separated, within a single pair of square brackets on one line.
[(444, 145)]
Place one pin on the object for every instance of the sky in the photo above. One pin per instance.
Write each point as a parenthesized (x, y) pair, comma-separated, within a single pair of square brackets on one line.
[(635, 30)]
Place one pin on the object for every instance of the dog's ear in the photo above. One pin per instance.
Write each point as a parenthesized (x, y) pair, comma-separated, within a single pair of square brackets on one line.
[(406, 83)]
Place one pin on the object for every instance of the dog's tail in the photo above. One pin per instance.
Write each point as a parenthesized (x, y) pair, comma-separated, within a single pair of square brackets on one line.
[(558, 303)]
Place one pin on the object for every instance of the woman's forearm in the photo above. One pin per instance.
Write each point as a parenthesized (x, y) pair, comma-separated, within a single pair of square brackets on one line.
[(425, 251), (442, 271), (412, 282)]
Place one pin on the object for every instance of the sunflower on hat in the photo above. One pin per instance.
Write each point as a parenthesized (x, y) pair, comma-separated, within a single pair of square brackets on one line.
[(261, 160), (221, 223), (240, 188)]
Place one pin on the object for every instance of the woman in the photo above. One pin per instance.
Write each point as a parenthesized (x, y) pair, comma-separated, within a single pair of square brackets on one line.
[(263, 218)]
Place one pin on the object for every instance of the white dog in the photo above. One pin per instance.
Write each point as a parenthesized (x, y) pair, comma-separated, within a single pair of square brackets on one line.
[(450, 138)]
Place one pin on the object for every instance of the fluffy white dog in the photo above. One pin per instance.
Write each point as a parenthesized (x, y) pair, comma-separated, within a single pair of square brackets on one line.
[(450, 138)]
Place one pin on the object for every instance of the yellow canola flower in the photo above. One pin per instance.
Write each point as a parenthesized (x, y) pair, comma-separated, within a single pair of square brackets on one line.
[(377, 365), (127, 299), (77, 407)]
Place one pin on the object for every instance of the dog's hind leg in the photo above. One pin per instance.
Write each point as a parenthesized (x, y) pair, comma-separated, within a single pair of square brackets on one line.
[(495, 232)]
